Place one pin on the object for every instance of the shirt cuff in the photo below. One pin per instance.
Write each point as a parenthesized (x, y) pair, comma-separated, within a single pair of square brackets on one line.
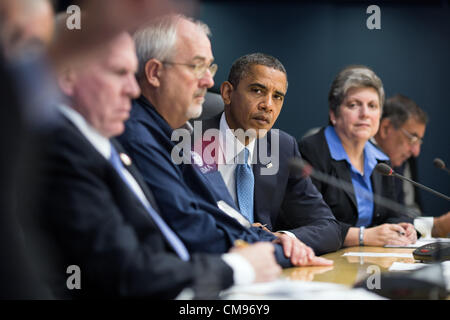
[(424, 225), (243, 272), (290, 234)]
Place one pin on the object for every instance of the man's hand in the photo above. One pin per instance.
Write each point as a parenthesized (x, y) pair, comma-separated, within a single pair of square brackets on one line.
[(262, 258), (441, 226), (262, 226), (299, 253)]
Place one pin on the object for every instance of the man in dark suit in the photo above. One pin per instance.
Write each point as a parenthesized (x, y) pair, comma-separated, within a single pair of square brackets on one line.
[(282, 198), (97, 221), (18, 276), (175, 71), (402, 128)]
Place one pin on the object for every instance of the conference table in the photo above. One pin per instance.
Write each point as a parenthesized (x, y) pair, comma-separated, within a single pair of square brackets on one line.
[(348, 270), (352, 265)]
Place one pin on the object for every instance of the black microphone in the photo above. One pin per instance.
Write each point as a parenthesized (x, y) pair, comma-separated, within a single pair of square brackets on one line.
[(386, 170), (308, 170), (440, 164)]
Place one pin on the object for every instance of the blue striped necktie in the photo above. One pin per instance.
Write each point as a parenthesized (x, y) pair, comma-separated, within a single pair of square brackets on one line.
[(170, 236), (245, 185)]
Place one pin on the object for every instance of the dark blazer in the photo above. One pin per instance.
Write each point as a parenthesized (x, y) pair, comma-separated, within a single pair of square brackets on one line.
[(187, 200), (287, 201), (314, 149), (93, 220), (19, 145)]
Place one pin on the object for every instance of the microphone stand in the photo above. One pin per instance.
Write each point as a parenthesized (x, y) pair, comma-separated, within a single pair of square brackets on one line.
[(348, 187), (379, 200), (420, 185)]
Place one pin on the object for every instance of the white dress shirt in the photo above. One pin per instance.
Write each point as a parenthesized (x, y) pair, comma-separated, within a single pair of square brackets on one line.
[(230, 148), (101, 144)]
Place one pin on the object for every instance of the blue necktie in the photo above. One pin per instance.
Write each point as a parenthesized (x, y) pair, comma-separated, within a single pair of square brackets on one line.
[(244, 186), (171, 237)]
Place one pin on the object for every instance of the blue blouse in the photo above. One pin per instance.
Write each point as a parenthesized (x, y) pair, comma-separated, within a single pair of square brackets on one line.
[(361, 183)]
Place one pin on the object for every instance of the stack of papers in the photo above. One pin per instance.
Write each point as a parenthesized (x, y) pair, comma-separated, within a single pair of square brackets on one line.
[(378, 254), (419, 243), (286, 289)]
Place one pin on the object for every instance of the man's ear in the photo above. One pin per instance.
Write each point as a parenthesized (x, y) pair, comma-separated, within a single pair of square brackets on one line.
[(226, 89), (153, 69), (385, 128), (66, 81)]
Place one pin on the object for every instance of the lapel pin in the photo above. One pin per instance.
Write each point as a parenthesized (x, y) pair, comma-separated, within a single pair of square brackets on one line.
[(125, 159)]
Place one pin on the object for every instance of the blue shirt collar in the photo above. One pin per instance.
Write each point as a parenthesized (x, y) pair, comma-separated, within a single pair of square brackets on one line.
[(371, 153)]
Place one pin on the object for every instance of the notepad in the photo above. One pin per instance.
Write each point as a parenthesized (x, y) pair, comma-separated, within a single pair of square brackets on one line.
[(400, 266), (378, 254), (419, 243)]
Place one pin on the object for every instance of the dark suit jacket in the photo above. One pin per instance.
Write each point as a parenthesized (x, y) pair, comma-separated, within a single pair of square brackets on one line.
[(93, 220), (314, 149), (287, 201), (18, 275), (187, 200)]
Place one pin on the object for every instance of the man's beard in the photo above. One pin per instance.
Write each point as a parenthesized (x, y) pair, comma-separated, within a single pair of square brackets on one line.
[(194, 111)]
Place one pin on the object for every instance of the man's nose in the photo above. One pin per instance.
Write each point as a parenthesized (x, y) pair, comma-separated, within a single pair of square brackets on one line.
[(415, 149), (207, 81), (132, 87), (267, 103)]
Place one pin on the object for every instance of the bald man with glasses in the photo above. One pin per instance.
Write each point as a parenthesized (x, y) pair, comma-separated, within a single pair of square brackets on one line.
[(402, 129), (400, 136)]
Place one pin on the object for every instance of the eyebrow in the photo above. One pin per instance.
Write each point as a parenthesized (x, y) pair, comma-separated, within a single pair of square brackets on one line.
[(259, 85), (202, 59), (414, 134)]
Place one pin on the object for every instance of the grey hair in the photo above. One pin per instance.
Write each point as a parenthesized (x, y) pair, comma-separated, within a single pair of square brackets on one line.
[(157, 40), (241, 67), (354, 76), (399, 108)]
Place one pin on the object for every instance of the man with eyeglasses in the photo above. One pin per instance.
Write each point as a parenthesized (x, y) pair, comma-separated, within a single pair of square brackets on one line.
[(402, 128), (175, 70), (400, 136)]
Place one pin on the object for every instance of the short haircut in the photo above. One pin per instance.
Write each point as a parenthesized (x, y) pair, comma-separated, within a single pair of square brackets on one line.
[(241, 67), (354, 76), (399, 108), (157, 40)]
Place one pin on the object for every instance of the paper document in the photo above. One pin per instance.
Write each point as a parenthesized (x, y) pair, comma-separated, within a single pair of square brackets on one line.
[(419, 243), (286, 289), (400, 266), (378, 254)]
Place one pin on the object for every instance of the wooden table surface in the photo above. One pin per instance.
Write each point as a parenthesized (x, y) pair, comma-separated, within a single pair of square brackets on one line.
[(348, 270)]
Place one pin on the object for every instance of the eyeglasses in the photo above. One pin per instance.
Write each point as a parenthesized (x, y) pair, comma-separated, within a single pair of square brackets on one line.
[(413, 139), (199, 69)]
